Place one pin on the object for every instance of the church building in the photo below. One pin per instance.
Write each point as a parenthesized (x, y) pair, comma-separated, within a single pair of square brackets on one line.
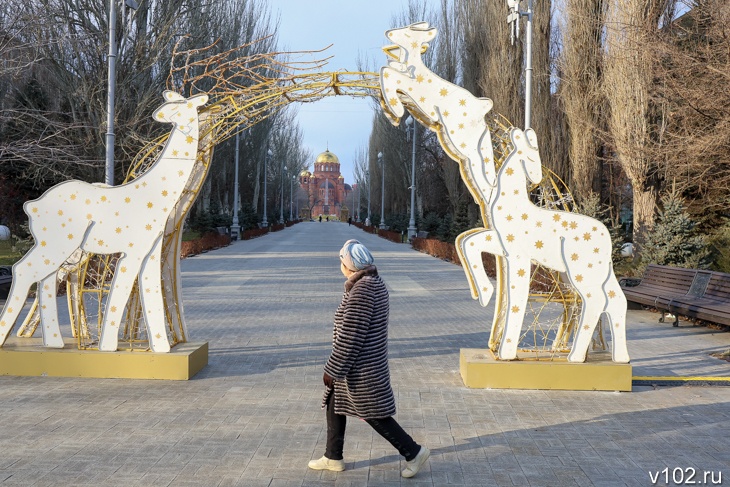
[(325, 189)]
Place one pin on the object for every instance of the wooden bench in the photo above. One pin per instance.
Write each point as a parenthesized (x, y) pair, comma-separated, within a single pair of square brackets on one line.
[(697, 294)]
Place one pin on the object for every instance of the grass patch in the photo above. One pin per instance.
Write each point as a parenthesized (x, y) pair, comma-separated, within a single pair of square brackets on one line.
[(7, 255)]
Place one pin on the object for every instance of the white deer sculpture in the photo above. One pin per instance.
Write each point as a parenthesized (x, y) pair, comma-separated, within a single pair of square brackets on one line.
[(128, 219), (457, 117), (576, 245)]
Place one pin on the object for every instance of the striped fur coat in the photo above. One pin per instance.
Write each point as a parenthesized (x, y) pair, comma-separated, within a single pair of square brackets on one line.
[(359, 358)]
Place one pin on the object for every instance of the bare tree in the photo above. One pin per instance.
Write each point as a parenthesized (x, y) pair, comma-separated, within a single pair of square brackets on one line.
[(629, 76), (582, 97)]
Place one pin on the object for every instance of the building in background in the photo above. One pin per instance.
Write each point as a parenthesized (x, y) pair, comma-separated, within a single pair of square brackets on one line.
[(324, 190)]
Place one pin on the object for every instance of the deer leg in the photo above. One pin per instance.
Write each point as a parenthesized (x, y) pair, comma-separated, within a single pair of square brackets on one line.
[(48, 305), (518, 289), (153, 306), (463, 242), (470, 246), (121, 287), (616, 314), (592, 308)]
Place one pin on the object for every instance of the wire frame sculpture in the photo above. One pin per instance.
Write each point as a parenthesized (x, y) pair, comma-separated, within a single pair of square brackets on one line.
[(245, 91)]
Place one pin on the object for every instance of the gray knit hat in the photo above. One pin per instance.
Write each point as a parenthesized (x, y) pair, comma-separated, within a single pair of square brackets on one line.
[(355, 256)]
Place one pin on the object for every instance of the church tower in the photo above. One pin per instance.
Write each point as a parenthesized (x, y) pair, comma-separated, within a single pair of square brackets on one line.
[(325, 189)]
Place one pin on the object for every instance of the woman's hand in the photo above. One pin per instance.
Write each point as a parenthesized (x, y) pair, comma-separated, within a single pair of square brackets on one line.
[(328, 380)]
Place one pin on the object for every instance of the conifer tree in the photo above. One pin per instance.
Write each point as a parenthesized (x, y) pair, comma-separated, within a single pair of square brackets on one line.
[(674, 240)]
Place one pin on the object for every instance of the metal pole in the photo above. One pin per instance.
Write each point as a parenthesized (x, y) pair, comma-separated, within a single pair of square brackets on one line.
[(235, 227), (382, 192), (112, 75), (291, 195), (528, 65), (264, 221), (412, 222), (281, 206), (370, 187)]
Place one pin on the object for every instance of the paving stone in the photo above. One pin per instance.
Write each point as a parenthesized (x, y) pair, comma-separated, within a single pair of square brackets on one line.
[(252, 417)]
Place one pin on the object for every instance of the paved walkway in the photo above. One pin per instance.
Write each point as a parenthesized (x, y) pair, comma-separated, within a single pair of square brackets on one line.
[(253, 418)]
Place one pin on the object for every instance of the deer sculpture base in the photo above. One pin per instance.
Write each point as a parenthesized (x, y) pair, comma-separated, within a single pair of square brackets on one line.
[(480, 369), (27, 357)]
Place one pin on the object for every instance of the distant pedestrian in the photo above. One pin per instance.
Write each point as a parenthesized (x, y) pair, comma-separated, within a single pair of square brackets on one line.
[(320, 218), (356, 376), (328, 218), (349, 221)]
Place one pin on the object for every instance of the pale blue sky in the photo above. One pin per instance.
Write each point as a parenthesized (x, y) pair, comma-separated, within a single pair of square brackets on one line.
[(352, 27)]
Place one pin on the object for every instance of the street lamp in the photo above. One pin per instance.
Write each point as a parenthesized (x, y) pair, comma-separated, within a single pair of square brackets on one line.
[(235, 226), (367, 175), (111, 87), (291, 195), (281, 206), (382, 192), (513, 19), (412, 222), (265, 222)]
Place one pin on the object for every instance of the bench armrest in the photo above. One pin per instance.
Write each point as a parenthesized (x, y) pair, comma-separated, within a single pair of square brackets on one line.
[(629, 281)]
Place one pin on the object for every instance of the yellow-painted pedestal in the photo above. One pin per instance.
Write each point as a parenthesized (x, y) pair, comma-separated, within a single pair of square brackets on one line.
[(480, 370), (27, 357)]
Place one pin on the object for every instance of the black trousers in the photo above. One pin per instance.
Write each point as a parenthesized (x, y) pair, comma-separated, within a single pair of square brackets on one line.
[(388, 428)]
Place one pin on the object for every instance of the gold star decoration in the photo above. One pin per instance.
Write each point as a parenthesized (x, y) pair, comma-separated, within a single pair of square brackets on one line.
[(611, 294), (509, 171), (579, 278), (574, 257), (509, 218), (118, 230), (573, 225), (70, 236), (419, 78), (556, 217), (586, 236), (510, 238), (515, 309), (444, 92), (149, 204), (524, 216), (462, 103), (43, 243), (148, 227), (521, 272)]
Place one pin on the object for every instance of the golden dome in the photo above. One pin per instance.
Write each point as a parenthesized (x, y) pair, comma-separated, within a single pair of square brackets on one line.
[(327, 157), (305, 174)]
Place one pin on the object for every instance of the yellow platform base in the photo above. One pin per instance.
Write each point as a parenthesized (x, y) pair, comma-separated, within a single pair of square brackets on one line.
[(27, 357), (480, 370)]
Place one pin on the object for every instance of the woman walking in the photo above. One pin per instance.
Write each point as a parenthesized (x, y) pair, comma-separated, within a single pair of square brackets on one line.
[(356, 376)]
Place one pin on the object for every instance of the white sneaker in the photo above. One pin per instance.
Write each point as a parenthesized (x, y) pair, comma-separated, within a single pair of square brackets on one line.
[(415, 465), (325, 463)]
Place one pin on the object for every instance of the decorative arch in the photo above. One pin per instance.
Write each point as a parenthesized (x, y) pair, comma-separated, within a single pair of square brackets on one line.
[(242, 97)]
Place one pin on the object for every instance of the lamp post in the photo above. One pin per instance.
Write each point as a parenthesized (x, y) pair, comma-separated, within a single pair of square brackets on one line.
[(367, 175), (513, 19), (382, 191), (412, 222), (264, 221), (235, 226), (111, 87), (281, 206), (291, 195)]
